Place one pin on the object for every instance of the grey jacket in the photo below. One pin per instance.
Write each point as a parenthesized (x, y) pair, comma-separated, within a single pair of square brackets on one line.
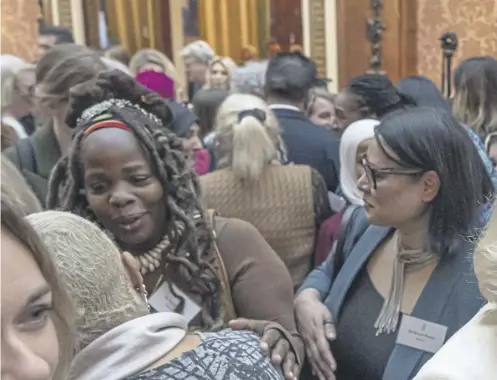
[(450, 298)]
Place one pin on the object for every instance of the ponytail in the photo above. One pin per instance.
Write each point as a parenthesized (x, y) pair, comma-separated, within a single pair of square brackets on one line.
[(253, 149)]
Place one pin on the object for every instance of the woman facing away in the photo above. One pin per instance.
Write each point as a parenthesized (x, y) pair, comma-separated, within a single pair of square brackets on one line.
[(129, 174), (475, 94), (287, 204), (36, 315), (119, 338), (354, 144), (470, 353), (409, 269)]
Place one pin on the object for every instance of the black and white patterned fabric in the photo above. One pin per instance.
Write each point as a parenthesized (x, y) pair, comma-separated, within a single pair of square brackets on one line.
[(225, 355)]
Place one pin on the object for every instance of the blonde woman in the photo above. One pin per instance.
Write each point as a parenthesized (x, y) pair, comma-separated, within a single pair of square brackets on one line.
[(36, 314), (475, 96), (151, 60), (471, 352), (285, 203), (219, 73)]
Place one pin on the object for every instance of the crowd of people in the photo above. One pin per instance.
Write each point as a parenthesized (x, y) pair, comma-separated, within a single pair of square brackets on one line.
[(245, 224)]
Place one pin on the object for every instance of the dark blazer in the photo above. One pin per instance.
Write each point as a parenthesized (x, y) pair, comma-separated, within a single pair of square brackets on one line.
[(310, 144), (43, 148), (450, 298)]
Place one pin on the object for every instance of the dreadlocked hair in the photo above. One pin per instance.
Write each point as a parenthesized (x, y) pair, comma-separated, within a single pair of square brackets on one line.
[(378, 95), (177, 177)]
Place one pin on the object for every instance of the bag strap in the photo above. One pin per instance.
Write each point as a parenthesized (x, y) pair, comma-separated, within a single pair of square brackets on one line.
[(345, 225), (26, 155), (222, 274)]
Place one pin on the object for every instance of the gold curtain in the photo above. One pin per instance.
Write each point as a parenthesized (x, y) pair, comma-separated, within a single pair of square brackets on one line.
[(136, 23), (230, 25)]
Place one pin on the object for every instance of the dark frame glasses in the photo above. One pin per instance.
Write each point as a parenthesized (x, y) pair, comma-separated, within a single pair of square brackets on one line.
[(371, 173)]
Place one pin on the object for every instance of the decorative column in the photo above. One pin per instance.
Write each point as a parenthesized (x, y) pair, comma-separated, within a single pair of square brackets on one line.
[(317, 35), (69, 14), (91, 10), (374, 34)]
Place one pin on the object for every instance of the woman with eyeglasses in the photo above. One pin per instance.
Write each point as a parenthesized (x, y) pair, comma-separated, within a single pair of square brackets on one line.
[(402, 283)]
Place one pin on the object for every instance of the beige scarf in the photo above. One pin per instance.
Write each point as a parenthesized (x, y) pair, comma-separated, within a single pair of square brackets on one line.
[(405, 260), (129, 348)]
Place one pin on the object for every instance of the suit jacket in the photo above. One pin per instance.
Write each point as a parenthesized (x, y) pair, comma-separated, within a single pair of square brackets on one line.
[(310, 144), (470, 354), (46, 154), (450, 298)]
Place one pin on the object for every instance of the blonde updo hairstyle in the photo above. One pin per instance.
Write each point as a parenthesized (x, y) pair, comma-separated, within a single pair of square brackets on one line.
[(246, 145), (485, 263)]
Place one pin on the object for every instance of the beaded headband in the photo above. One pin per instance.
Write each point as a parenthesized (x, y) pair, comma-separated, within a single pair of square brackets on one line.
[(99, 108)]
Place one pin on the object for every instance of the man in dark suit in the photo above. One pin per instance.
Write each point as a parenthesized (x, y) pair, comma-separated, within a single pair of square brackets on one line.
[(289, 78)]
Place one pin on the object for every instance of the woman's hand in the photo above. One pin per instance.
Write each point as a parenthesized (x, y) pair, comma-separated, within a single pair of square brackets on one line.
[(274, 343), (315, 325)]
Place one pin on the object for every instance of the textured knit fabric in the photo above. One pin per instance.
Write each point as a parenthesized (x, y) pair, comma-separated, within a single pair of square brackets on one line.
[(227, 355), (281, 205)]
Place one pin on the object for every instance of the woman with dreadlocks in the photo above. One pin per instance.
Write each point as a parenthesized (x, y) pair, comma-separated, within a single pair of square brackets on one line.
[(129, 174), (369, 96)]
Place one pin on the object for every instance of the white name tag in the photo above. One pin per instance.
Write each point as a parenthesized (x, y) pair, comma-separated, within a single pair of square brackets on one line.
[(420, 334), (163, 300)]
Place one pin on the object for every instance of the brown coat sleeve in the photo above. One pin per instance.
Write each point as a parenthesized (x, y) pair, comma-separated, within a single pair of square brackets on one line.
[(261, 286)]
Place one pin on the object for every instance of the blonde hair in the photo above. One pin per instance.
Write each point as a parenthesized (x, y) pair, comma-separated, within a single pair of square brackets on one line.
[(228, 64), (20, 194), (485, 260), (63, 312), (91, 268), (246, 145), (475, 98), (146, 56)]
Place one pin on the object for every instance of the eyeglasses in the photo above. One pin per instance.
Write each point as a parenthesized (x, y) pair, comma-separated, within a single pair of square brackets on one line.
[(373, 173)]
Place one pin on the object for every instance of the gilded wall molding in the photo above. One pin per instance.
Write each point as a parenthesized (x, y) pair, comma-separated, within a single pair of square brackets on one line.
[(317, 35), (65, 13), (91, 10)]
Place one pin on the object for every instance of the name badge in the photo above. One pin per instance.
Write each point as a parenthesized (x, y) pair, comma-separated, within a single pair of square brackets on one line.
[(163, 300), (420, 334)]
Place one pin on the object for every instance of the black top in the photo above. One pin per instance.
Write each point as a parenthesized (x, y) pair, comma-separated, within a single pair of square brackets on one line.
[(358, 352), (310, 144)]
